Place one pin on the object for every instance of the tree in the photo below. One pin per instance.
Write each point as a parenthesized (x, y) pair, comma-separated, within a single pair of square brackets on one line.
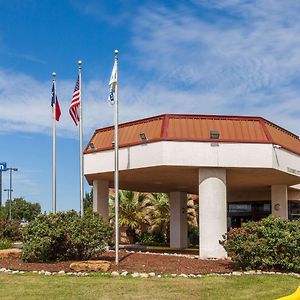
[(20, 210), (131, 212), (88, 202), (158, 212)]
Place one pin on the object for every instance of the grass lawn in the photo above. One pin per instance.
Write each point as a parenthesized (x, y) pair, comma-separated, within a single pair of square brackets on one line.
[(34, 286)]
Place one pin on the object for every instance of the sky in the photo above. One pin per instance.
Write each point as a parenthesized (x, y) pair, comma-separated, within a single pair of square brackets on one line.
[(229, 57)]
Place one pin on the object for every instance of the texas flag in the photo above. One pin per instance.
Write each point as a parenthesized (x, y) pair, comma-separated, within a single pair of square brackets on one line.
[(57, 108)]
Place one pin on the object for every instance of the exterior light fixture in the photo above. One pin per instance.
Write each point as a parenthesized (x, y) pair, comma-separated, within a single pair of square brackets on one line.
[(92, 146), (214, 134), (277, 206), (143, 137)]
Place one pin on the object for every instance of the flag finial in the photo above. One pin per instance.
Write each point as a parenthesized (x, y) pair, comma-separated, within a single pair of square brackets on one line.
[(116, 52), (53, 75), (79, 63)]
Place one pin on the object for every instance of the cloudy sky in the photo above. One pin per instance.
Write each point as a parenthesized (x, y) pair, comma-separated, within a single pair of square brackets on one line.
[(228, 57)]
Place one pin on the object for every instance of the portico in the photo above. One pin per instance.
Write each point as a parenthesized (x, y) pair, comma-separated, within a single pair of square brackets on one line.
[(249, 158)]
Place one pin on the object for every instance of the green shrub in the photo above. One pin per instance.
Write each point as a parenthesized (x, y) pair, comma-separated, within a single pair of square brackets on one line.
[(155, 238), (65, 236), (193, 235), (10, 230), (271, 243), (5, 244)]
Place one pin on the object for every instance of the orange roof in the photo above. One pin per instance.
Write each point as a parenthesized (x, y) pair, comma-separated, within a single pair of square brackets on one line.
[(173, 127)]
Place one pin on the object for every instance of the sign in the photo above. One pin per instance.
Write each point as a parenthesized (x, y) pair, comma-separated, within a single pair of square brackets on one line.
[(3, 166), (294, 171)]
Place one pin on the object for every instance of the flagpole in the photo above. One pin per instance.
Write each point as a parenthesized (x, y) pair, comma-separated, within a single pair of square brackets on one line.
[(54, 145), (80, 139), (116, 140)]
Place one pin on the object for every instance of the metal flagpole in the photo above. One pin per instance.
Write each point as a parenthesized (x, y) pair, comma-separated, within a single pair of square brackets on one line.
[(116, 140), (80, 139), (54, 145)]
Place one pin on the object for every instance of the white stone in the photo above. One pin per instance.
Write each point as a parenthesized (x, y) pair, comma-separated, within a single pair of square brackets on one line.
[(159, 276), (183, 275), (15, 272), (114, 273), (237, 273), (35, 272), (22, 272), (151, 274), (62, 272), (125, 273), (144, 275), (2, 270), (135, 274), (47, 273)]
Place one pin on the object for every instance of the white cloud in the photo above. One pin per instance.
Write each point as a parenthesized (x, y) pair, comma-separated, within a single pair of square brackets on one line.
[(245, 57), (242, 59)]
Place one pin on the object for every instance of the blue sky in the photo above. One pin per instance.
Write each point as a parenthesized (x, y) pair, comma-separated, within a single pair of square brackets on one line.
[(195, 56)]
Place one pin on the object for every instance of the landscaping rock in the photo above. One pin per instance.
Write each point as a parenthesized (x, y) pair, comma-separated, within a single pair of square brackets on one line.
[(144, 275), (91, 265), (125, 273), (62, 272), (114, 273), (10, 253)]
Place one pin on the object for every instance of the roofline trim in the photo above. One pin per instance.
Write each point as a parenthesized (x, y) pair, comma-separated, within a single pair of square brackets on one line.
[(182, 140)]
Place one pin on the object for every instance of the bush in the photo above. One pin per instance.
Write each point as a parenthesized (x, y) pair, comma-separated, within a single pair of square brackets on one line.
[(5, 244), (193, 235), (10, 230), (155, 238), (65, 236), (271, 243)]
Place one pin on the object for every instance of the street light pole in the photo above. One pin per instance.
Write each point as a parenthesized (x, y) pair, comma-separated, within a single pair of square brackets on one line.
[(8, 193), (10, 187)]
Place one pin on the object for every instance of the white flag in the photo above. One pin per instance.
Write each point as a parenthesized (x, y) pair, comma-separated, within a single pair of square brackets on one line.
[(113, 77), (112, 83)]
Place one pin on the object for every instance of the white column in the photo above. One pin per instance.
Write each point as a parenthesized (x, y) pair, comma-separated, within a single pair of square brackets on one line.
[(100, 198), (279, 201), (212, 212), (178, 220)]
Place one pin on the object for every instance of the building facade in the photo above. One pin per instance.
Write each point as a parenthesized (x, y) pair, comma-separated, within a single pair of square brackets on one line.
[(241, 167)]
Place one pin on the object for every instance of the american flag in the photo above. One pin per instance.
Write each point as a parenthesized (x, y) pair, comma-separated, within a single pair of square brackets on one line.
[(73, 110)]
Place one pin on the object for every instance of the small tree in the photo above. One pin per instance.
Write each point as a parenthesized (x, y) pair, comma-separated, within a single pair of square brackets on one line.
[(20, 210), (88, 202), (131, 212)]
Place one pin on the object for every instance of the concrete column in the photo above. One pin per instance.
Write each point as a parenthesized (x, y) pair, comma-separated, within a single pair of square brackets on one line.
[(100, 198), (178, 220), (279, 201), (212, 212)]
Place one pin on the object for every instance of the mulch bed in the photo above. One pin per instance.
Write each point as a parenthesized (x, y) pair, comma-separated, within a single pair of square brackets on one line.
[(134, 262)]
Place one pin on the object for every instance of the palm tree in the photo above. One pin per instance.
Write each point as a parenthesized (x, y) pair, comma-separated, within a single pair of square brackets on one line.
[(131, 212), (158, 212)]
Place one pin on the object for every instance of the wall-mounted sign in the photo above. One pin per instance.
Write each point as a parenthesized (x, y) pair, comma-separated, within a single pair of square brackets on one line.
[(3, 166)]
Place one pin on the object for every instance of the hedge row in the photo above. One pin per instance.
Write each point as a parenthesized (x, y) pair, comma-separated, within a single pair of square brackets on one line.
[(271, 243), (65, 236)]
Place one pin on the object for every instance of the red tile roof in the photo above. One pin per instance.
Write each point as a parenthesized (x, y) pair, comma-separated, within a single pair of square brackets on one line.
[(175, 127)]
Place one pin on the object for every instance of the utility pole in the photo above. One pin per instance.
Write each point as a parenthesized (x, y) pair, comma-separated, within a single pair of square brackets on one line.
[(10, 187)]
